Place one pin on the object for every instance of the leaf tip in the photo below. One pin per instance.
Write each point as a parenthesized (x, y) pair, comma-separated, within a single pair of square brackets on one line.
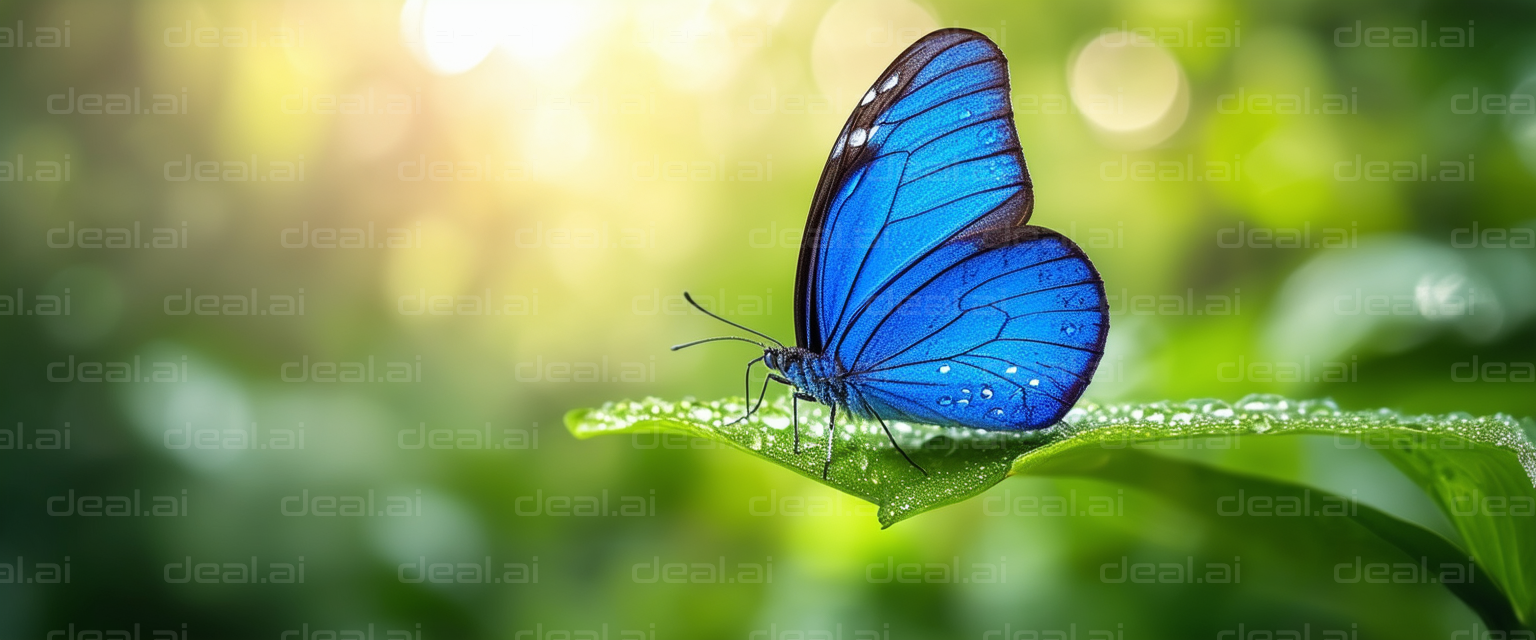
[(575, 422)]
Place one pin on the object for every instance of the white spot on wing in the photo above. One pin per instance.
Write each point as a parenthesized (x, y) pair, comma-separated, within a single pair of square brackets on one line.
[(868, 98), (890, 82), (837, 149), (858, 137)]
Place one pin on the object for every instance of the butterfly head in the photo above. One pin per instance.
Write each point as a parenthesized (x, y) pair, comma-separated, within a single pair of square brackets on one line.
[(789, 362), (776, 359)]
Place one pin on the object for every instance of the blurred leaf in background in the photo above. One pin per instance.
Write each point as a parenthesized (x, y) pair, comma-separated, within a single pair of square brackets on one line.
[(265, 262)]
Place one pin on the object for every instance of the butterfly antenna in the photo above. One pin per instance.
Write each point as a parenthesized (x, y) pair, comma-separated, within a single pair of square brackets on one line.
[(689, 298), (685, 345)]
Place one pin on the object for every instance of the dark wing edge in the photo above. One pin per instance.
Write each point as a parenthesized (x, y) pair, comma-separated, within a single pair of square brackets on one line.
[(839, 166)]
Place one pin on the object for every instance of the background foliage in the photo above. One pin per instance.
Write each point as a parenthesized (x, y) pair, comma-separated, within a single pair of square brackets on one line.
[(600, 158)]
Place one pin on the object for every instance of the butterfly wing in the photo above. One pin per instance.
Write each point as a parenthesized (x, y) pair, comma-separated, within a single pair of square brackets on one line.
[(917, 272), (1000, 329), (929, 153)]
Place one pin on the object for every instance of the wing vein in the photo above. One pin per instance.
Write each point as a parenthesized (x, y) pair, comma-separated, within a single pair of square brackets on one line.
[(956, 163), (957, 318), (842, 311)]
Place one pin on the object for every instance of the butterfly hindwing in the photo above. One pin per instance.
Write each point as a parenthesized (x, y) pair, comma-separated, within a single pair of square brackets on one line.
[(929, 153), (997, 330)]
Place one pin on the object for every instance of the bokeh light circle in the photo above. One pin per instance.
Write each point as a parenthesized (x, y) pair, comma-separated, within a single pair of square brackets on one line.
[(1128, 89)]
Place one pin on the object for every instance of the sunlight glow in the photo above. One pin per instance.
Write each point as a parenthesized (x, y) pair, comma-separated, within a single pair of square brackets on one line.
[(450, 36), (541, 32), (858, 38)]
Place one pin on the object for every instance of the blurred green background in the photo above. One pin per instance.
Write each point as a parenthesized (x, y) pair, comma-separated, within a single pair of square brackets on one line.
[(295, 295)]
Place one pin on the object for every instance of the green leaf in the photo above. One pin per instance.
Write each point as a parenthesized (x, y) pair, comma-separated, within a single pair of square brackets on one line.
[(1480, 470), (1328, 530)]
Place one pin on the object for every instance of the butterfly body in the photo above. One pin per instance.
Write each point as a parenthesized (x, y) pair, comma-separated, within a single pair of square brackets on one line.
[(922, 293), (815, 375)]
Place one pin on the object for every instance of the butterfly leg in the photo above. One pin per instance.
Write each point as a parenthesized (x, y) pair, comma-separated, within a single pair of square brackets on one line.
[(794, 403), (888, 434), (898, 447), (826, 469), (796, 398), (747, 389)]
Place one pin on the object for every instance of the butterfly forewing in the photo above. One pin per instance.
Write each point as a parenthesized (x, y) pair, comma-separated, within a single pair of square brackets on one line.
[(929, 153)]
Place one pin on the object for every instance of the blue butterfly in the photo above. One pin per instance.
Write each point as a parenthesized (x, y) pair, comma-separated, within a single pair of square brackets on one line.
[(921, 294)]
